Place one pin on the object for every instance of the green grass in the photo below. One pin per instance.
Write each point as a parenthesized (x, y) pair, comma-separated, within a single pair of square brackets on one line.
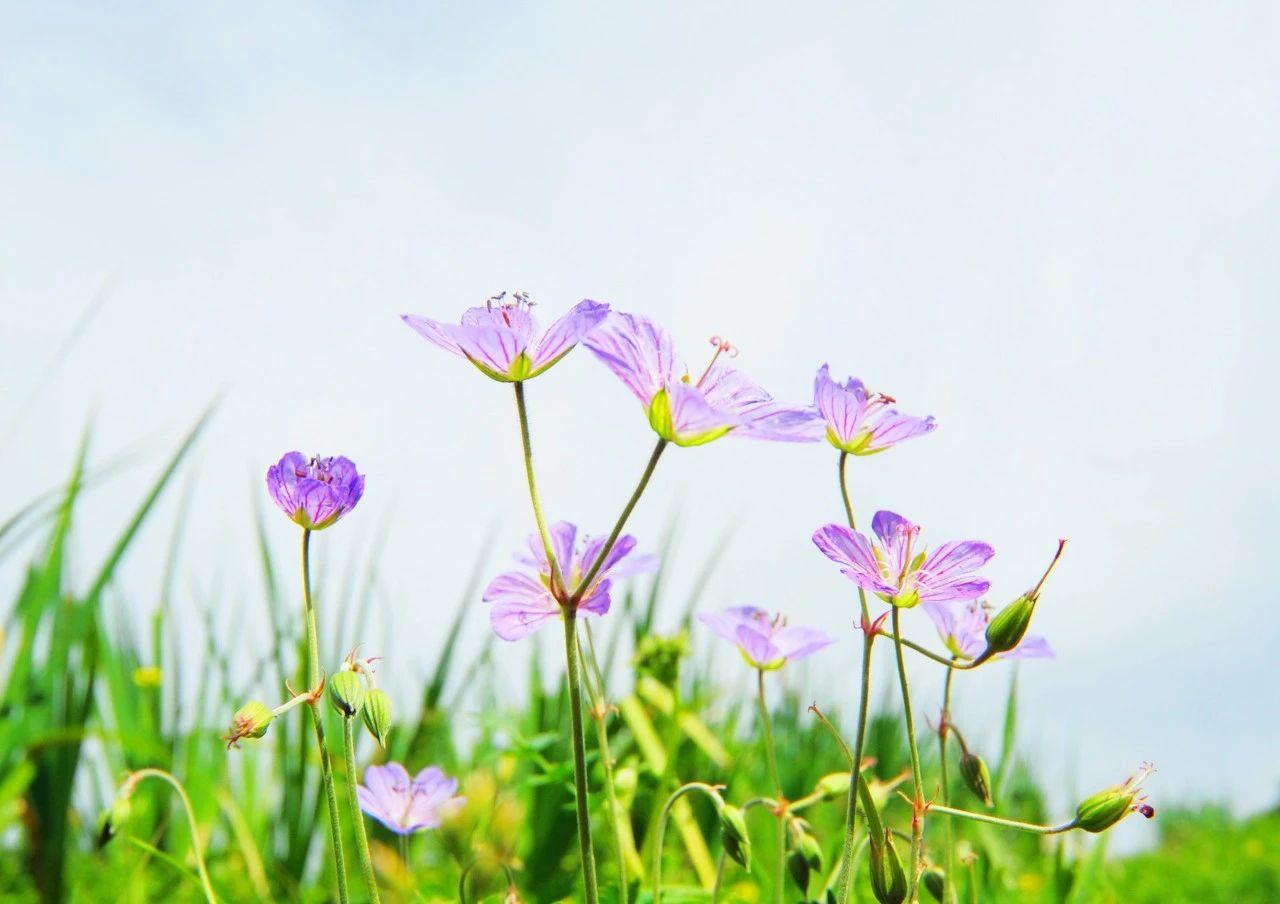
[(90, 694)]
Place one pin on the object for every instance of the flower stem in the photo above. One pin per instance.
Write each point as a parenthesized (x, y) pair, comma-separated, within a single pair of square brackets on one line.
[(317, 719), (917, 814), (557, 580), (622, 521), (851, 810), (954, 664), (1032, 827), (772, 755), (598, 714), (944, 730), (664, 818), (149, 772), (579, 755), (353, 800)]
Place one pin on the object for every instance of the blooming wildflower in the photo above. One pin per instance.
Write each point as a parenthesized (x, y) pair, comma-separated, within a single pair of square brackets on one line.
[(314, 493), (521, 601), (405, 806), (965, 632), (691, 412), (894, 570), (765, 643), (501, 337), (860, 422)]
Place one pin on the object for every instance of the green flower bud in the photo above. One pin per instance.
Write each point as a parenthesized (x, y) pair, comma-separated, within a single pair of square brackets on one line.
[(377, 715), (733, 835), (834, 785), (1007, 628), (976, 775), (805, 859), (934, 881), (115, 817), (888, 880), (1106, 808), (250, 721), (346, 693)]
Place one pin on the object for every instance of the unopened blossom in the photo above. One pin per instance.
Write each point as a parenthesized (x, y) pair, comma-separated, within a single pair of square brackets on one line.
[(406, 805), (900, 570), (766, 641), (314, 492), (502, 339), (691, 411), (521, 601), (964, 631), (860, 422)]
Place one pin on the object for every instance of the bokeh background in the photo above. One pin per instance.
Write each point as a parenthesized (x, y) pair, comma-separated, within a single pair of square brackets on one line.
[(1052, 228)]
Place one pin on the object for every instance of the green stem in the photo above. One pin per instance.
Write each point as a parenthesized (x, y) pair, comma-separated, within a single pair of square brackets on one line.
[(353, 800), (557, 580), (917, 815), (1032, 827), (772, 755), (943, 731), (579, 755), (622, 520), (317, 719), (664, 818), (955, 664), (598, 711), (141, 774), (845, 884), (715, 889)]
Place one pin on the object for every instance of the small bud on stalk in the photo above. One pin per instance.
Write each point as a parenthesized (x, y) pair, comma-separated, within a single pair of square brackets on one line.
[(834, 785), (733, 835), (934, 881), (250, 721), (116, 816), (805, 859), (1009, 626), (1103, 810), (347, 693), (973, 769), (377, 715), (888, 880)]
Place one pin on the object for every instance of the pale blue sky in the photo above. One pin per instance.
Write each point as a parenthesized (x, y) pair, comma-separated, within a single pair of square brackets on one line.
[(1053, 227)]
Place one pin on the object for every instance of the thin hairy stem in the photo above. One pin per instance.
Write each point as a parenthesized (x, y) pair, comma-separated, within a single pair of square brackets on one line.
[(771, 754), (664, 817), (917, 814), (317, 719), (139, 776), (956, 664), (579, 756), (1032, 827), (599, 711), (944, 730), (353, 801), (557, 581)]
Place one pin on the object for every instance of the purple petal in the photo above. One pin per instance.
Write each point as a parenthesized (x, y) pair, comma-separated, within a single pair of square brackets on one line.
[(637, 350), (893, 530), (841, 407), (433, 331), (693, 420), (492, 350), (757, 414), (958, 590), (597, 599), (507, 318), (956, 558), (895, 427), (567, 332), (797, 642), (852, 550), (726, 623), (759, 649), (1031, 648), (520, 604)]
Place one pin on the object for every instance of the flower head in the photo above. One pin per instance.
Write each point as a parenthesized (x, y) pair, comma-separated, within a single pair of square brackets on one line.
[(315, 493), (501, 336), (522, 602), (965, 632), (898, 571), (861, 422), (766, 642), (407, 805), (686, 411)]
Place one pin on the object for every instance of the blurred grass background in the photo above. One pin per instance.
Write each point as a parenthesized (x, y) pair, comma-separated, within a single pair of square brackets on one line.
[(89, 694)]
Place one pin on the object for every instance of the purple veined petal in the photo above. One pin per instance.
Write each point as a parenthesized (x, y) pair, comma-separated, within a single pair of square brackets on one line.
[(374, 807), (895, 427), (943, 618), (758, 414), (955, 590), (567, 332), (515, 319), (433, 331), (759, 649), (520, 604), (841, 407), (1032, 647), (637, 350), (893, 531), (852, 550), (429, 779), (563, 536), (956, 558), (781, 423), (597, 599), (692, 421), (726, 623), (797, 641), (640, 563), (492, 350), (619, 563)]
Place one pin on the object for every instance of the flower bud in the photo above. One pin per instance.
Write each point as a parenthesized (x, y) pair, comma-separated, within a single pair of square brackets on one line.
[(733, 835), (934, 881), (250, 721), (1007, 628), (346, 693), (377, 715), (976, 775), (888, 880), (834, 785), (115, 817), (1106, 808), (805, 859)]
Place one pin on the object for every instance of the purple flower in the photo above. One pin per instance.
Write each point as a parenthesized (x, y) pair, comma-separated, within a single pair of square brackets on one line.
[(406, 806), (860, 422), (965, 632), (522, 602), (898, 572), (314, 493), (502, 339), (766, 642), (691, 412)]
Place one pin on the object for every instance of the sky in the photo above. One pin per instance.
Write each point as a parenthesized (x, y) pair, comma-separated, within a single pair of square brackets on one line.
[(1051, 227)]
